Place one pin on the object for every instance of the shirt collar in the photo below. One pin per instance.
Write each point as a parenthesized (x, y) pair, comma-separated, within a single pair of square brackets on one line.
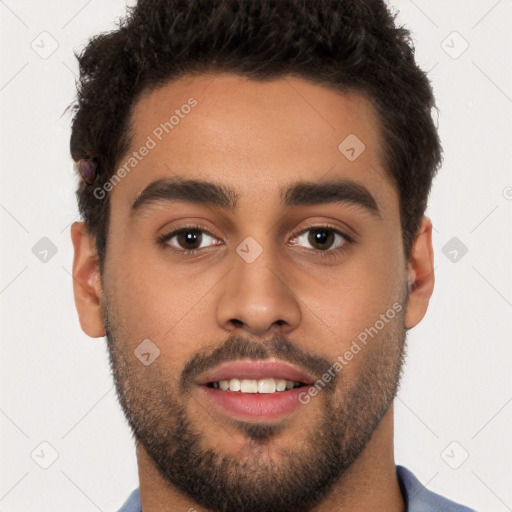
[(416, 496)]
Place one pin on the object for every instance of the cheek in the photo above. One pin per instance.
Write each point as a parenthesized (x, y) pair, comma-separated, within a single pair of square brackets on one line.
[(345, 302), (168, 305)]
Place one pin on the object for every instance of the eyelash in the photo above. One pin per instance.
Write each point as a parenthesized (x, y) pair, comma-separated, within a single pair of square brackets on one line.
[(328, 253)]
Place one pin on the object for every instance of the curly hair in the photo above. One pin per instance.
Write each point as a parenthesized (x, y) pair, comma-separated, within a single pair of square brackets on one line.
[(346, 45)]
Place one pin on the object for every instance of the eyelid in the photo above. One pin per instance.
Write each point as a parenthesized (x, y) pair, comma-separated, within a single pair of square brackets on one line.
[(321, 225), (168, 235)]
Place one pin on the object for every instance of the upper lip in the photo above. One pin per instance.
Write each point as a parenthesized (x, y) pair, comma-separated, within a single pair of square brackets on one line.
[(245, 369)]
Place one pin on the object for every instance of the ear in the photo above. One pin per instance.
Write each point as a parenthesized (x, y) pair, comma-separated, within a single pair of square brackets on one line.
[(86, 281), (420, 272)]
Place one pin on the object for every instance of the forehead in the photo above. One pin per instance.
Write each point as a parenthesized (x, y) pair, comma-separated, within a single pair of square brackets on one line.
[(258, 136)]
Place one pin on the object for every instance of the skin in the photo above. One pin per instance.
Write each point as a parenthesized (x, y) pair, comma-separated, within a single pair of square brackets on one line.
[(256, 138)]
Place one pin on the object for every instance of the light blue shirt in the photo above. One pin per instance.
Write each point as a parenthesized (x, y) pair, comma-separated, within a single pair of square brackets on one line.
[(416, 496)]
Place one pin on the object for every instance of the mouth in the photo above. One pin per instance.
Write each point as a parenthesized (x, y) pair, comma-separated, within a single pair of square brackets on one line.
[(265, 386), (254, 390)]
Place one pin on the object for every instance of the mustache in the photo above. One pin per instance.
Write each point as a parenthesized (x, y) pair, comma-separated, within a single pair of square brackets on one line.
[(238, 347)]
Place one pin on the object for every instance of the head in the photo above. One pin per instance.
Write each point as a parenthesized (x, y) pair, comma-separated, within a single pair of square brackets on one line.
[(289, 148)]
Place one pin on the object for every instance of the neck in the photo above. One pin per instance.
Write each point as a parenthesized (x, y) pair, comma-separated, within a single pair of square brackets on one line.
[(369, 484)]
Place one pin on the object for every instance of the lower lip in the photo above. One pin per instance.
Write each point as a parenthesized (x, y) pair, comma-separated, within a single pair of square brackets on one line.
[(254, 406)]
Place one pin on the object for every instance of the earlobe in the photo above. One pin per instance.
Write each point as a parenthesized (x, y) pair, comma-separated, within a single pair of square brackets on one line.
[(420, 270), (86, 281)]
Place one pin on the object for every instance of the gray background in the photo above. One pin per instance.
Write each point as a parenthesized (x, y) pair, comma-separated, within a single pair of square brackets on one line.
[(454, 410)]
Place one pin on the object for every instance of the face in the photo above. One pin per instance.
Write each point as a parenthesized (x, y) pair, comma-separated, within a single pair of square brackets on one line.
[(283, 254)]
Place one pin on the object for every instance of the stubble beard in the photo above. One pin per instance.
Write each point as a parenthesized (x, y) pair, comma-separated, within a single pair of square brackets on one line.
[(285, 481)]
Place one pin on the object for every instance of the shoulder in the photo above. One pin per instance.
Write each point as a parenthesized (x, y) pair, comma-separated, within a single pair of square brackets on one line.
[(419, 499), (132, 503)]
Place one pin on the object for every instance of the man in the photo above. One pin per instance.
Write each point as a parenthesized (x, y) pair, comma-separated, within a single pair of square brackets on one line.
[(254, 177)]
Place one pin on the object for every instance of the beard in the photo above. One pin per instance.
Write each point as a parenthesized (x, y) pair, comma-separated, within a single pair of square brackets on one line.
[(254, 481)]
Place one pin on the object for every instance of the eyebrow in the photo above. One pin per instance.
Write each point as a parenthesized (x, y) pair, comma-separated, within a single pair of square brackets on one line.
[(218, 195)]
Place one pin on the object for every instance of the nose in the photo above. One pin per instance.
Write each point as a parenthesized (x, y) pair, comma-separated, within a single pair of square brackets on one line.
[(258, 297)]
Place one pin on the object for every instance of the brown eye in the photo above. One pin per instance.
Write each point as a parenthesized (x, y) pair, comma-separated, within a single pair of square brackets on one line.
[(188, 240), (322, 239)]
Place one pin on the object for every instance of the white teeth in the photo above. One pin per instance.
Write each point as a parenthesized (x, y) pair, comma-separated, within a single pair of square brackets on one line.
[(234, 385), (280, 385), (248, 386), (267, 385)]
